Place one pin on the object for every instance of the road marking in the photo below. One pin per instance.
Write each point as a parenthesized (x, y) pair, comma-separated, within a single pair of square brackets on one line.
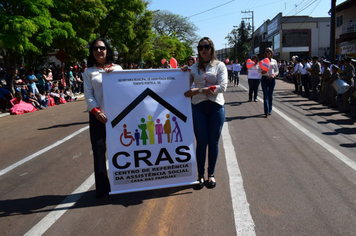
[(26, 159), (41, 227), (243, 220), (315, 138)]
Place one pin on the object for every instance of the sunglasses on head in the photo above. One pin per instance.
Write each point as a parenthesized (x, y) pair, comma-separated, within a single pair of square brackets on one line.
[(102, 48), (207, 47)]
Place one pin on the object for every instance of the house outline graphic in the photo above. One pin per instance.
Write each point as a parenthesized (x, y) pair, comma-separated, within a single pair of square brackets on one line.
[(139, 99)]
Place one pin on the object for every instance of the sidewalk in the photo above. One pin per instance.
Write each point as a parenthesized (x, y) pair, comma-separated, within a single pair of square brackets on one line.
[(3, 114)]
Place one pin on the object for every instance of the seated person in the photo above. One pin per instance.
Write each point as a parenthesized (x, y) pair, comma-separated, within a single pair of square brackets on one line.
[(19, 106), (33, 100), (5, 97)]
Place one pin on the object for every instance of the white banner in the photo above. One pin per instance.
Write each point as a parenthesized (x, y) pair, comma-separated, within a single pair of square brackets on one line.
[(150, 137)]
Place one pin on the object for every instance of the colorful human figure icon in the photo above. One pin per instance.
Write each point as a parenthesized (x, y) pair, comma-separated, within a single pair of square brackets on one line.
[(137, 137), (176, 130), (143, 128), (159, 130), (167, 128), (151, 130), (127, 135)]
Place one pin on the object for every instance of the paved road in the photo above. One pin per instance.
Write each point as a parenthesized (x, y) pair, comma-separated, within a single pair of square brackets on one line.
[(293, 173)]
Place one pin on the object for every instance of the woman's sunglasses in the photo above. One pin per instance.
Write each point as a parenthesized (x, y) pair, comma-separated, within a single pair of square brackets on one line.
[(207, 47), (102, 48)]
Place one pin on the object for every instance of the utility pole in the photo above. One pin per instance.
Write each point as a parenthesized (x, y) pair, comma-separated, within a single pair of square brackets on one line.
[(332, 30), (253, 29)]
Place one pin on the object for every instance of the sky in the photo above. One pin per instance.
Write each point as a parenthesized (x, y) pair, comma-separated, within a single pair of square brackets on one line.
[(216, 18)]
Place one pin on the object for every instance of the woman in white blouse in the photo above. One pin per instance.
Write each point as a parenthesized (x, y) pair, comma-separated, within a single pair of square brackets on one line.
[(101, 58), (268, 81), (210, 78)]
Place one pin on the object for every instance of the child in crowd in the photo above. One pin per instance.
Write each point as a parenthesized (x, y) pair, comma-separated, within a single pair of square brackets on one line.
[(41, 98), (55, 95), (70, 95), (51, 102), (62, 97), (19, 106), (33, 100)]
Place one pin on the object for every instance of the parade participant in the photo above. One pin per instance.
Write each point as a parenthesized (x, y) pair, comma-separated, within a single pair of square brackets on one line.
[(326, 82), (254, 79), (333, 95), (100, 59), (236, 68), (268, 81), (190, 61), (229, 71), (210, 78), (305, 77), (315, 77), (348, 77)]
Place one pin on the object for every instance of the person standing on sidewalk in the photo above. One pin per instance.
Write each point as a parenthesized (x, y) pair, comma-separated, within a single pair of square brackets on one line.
[(305, 77), (315, 77), (210, 78), (268, 82), (101, 58)]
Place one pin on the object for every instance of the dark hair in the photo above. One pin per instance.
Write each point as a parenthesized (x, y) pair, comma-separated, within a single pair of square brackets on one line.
[(213, 54), (254, 55), (109, 53)]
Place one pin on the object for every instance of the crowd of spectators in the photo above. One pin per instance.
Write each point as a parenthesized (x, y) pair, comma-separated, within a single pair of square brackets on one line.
[(32, 90)]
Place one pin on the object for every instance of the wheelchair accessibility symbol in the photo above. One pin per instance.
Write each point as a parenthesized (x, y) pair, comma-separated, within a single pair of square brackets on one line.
[(126, 138)]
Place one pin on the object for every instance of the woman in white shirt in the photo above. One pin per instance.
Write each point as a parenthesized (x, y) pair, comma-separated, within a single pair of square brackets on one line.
[(254, 79), (210, 78), (268, 81), (101, 58)]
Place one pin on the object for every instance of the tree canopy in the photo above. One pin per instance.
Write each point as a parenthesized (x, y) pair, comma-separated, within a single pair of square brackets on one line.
[(32, 29), (238, 39)]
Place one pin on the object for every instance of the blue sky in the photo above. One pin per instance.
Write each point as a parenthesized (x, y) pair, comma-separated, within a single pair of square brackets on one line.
[(215, 19)]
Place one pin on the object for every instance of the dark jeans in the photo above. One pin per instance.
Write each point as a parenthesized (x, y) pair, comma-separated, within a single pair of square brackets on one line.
[(267, 88), (208, 120), (253, 88), (305, 82), (98, 142)]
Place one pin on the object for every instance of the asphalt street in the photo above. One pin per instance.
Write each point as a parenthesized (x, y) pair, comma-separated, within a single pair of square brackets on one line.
[(293, 173)]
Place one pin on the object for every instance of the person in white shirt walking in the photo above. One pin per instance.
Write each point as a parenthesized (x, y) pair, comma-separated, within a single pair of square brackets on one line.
[(236, 68)]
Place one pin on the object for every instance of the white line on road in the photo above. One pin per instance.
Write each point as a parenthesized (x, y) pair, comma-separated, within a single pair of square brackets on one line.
[(243, 220), (41, 227), (26, 159), (315, 138)]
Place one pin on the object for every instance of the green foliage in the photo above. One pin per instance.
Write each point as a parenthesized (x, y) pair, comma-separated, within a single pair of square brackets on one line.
[(239, 41), (32, 29)]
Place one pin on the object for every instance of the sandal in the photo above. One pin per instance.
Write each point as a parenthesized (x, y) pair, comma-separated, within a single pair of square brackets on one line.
[(201, 182), (211, 181)]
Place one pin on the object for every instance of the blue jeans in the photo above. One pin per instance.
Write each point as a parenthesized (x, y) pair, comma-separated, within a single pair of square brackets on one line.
[(208, 120), (267, 88), (253, 88)]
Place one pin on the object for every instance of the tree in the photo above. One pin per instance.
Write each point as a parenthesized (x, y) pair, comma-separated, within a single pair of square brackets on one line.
[(128, 26), (26, 26), (239, 40), (82, 18), (167, 23)]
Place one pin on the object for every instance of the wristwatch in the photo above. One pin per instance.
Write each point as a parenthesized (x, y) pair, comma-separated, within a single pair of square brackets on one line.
[(200, 90)]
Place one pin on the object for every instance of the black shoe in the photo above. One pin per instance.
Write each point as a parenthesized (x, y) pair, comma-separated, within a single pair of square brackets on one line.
[(211, 182), (201, 182), (249, 100)]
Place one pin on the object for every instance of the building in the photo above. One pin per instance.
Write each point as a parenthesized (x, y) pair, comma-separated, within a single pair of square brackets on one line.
[(222, 54), (345, 32), (303, 36)]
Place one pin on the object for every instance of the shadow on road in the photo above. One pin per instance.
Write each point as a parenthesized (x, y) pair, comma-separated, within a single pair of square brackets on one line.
[(64, 125), (34, 205)]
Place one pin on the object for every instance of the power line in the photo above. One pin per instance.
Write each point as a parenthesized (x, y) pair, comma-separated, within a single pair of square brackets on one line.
[(211, 8)]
